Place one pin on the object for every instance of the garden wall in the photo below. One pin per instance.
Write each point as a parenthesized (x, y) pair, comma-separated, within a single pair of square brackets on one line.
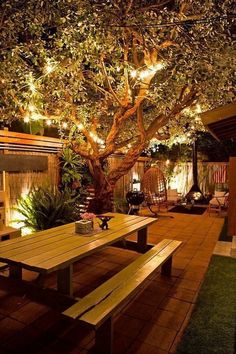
[(16, 183)]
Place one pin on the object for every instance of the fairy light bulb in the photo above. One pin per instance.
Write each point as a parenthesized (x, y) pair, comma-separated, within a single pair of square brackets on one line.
[(144, 74), (49, 68), (64, 125), (198, 108), (31, 107), (158, 66), (133, 73), (36, 116), (48, 122), (80, 126), (26, 119), (32, 87)]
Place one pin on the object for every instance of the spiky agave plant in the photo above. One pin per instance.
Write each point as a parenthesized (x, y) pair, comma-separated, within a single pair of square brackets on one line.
[(45, 207)]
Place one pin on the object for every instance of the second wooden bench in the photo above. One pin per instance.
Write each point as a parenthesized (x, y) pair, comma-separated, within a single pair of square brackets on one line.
[(96, 309)]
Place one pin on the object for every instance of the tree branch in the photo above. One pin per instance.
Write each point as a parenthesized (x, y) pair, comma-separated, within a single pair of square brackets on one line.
[(140, 124), (109, 84), (129, 6)]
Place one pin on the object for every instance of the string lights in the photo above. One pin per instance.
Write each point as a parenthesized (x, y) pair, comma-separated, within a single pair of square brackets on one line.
[(149, 71)]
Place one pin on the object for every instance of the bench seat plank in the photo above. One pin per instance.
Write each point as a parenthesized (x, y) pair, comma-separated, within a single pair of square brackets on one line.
[(106, 288), (96, 307)]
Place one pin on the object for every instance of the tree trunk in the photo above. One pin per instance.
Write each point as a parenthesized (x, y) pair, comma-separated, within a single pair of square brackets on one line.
[(102, 202)]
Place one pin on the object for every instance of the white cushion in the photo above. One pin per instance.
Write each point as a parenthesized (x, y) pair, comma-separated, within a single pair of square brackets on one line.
[(219, 194)]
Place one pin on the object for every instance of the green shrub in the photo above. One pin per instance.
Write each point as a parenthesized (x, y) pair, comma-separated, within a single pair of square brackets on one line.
[(45, 207)]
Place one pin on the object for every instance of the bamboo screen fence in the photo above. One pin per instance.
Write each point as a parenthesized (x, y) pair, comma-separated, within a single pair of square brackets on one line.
[(19, 183)]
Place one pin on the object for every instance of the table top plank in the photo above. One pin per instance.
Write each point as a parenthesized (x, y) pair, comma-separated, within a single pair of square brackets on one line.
[(65, 240), (65, 258), (50, 233), (53, 249)]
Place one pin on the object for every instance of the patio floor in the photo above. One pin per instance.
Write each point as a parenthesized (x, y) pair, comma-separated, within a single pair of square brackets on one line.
[(30, 320)]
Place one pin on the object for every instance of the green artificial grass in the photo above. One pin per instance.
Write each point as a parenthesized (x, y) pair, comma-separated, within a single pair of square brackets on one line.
[(212, 327), (223, 235)]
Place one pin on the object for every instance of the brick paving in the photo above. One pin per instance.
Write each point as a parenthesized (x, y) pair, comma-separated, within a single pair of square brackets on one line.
[(153, 323)]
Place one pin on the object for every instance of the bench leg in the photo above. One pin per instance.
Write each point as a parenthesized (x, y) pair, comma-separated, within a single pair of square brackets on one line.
[(15, 272), (166, 267), (64, 280), (142, 240), (104, 338)]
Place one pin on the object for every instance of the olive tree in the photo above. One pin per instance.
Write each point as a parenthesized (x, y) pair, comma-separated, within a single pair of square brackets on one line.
[(115, 74)]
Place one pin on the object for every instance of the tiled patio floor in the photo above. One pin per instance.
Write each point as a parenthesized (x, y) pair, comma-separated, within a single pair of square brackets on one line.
[(30, 320)]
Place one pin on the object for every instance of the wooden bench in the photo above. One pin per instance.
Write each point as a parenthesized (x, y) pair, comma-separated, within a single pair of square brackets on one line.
[(97, 308)]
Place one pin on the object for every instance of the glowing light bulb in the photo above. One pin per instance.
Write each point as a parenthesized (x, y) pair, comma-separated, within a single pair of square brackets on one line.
[(35, 116), (158, 66), (49, 68), (64, 125), (48, 122), (133, 73), (144, 74), (198, 108), (167, 162), (26, 119), (101, 141), (31, 107), (80, 126), (32, 87)]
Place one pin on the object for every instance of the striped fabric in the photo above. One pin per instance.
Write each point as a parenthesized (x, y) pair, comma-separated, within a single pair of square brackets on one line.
[(220, 175)]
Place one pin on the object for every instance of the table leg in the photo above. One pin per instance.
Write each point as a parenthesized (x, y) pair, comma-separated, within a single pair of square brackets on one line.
[(64, 280), (15, 272), (142, 240)]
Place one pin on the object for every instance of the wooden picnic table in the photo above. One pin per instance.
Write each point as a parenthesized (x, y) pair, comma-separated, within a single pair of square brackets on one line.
[(58, 248)]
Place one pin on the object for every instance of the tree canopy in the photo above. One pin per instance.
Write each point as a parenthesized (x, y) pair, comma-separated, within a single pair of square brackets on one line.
[(116, 73)]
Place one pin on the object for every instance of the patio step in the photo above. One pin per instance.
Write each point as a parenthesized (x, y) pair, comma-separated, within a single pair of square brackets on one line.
[(233, 248)]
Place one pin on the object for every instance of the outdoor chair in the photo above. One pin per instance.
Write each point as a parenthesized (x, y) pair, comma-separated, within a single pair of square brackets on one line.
[(153, 185), (218, 203)]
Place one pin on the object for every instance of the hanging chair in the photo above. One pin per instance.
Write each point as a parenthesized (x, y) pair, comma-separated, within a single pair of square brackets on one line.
[(154, 187)]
